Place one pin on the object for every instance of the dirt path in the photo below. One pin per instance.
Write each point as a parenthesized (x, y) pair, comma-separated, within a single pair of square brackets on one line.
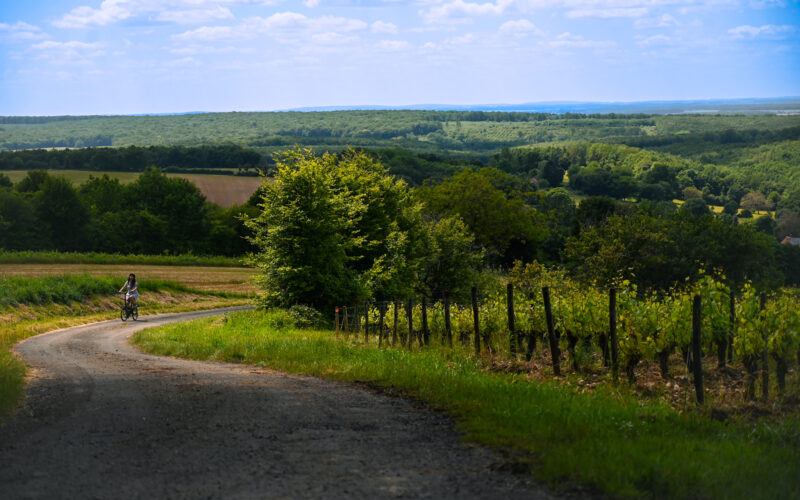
[(103, 420)]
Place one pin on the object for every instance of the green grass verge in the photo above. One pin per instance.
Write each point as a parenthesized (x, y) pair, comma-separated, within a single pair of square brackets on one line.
[(608, 439), (34, 257)]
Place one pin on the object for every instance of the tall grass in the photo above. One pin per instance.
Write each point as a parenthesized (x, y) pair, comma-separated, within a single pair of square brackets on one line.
[(606, 440), (42, 257)]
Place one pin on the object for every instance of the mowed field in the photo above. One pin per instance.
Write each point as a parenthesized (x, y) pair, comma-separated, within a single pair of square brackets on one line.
[(224, 190), (212, 279)]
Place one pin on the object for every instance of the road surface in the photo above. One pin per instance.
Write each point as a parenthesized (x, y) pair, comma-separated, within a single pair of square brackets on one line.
[(103, 420)]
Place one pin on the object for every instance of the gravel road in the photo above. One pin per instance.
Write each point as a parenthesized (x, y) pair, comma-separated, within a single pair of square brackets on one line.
[(103, 420)]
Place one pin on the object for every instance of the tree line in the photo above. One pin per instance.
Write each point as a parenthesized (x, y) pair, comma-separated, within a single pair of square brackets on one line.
[(155, 214), (338, 228)]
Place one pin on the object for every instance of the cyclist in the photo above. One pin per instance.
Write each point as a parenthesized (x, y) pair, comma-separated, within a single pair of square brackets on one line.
[(132, 295)]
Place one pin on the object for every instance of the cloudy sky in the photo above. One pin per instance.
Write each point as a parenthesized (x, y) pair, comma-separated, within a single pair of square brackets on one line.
[(157, 56)]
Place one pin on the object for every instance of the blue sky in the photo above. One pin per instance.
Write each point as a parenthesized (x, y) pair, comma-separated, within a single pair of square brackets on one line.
[(158, 56)]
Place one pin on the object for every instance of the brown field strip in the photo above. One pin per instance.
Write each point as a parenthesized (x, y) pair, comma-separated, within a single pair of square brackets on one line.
[(224, 190), (218, 279)]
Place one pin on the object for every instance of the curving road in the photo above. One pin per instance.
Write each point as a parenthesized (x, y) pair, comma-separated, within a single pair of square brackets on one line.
[(103, 420)]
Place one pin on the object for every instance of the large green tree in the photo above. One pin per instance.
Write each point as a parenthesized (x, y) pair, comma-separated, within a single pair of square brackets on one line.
[(334, 229)]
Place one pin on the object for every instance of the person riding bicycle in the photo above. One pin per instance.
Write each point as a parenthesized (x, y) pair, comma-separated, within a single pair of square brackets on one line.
[(132, 295)]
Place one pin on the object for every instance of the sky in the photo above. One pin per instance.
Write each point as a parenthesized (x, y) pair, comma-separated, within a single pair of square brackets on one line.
[(166, 56)]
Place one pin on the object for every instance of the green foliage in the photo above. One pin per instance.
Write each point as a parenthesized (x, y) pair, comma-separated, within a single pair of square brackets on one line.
[(605, 440), (31, 257), (501, 223), (449, 258), (333, 228)]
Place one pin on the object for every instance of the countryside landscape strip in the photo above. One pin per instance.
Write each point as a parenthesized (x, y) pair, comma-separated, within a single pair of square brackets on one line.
[(609, 439)]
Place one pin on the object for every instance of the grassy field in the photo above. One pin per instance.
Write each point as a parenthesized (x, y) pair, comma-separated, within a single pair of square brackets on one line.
[(606, 439), (203, 278), (54, 257), (225, 190)]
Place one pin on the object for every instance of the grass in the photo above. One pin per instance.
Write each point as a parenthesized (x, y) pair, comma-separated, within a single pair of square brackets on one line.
[(608, 439), (224, 190), (45, 257), (29, 306), (205, 278)]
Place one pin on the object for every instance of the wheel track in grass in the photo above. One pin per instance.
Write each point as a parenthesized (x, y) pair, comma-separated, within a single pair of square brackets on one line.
[(103, 420)]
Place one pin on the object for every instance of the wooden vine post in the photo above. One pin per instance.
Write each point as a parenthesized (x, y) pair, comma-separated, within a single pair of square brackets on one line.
[(448, 332), (732, 314), (357, 322), (612, 333), (380, 323), (336, 321), (394, 330), (555, 352), (697, 350), (764, 351), (512, 331), (345, 326), (476, 321), (426, 334), (366, 323), (410, 313)]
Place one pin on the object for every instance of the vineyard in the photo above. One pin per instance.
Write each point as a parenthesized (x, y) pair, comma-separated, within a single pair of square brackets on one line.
[(605, 330)]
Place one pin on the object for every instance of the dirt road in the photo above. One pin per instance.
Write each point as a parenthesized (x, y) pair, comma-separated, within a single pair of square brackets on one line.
[(103, 420)]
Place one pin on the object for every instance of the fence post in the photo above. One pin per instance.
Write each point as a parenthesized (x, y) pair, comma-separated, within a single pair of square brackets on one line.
[(732, 314), (357, 322), (410, 313), (555, 352), (425, 333), (512, 331), (448, 332), (366, 323), (612, 332), (336, 321), (476, 321), (345, 326), (764, 357), (697, 351), (394, 330), (380, 332)]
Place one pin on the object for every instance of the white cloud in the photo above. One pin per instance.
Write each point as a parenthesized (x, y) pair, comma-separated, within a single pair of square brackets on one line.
[(608, 13), (311, 3), (21, 31), (210, 33), (194, 16), (393, 45), (285, 27), (383, 27), (459, 11), (568, 40), (662, 21), (69, 52), (521, 27), (110, 11), (768, 30), (654, 40)]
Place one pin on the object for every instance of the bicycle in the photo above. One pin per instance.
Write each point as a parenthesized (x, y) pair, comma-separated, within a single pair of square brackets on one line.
[(127, 311)]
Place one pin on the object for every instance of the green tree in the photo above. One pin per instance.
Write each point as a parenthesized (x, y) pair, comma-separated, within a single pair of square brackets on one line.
[(63, 214), (503, 224), (450, 260), (334, 229)]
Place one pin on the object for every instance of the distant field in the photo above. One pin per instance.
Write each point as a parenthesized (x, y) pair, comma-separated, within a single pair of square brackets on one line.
[(217, 279), (225, 190)]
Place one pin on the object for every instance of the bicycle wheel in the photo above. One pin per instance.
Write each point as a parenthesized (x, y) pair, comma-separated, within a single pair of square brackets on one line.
[(123, 314), (135, 312)]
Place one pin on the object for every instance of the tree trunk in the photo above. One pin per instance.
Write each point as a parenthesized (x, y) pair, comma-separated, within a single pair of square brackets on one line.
[(630, 366), (751, 365), (572, 341), (603, 340), (531, 345), (663, 363)]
